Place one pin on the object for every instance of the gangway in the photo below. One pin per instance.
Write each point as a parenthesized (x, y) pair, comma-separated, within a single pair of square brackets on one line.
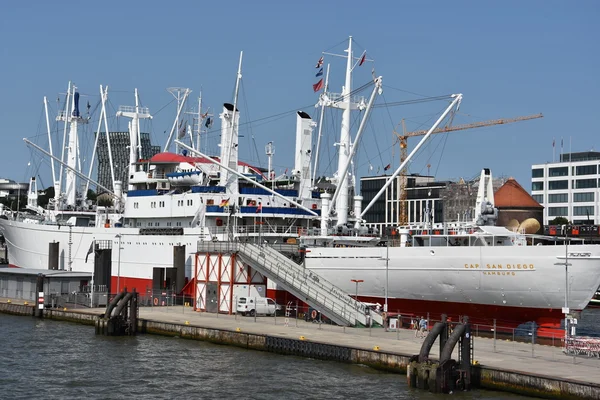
[(304, 284)]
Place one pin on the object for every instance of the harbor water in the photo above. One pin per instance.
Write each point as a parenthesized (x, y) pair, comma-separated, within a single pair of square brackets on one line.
[(58, 360)]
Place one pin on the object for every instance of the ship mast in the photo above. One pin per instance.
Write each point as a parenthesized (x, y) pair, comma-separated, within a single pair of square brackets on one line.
[(229, 138), (135, 113), (270, 151), (74, 119), (346, 151), (341, 207)]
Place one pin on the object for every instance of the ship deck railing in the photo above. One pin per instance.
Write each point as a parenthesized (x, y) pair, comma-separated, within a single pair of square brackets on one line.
[(481, 239), (244, 230)]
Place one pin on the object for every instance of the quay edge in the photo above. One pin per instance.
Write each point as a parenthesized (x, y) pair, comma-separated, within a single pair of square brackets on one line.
[(518, 382), (536, 385)]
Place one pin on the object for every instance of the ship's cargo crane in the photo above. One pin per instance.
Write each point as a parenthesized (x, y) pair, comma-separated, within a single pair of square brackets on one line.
[(403, 141)]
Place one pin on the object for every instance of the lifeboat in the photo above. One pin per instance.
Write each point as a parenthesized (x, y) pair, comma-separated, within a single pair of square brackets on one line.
[(185, 178)]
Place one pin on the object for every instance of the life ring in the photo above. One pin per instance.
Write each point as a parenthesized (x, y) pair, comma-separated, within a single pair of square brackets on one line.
[(156, 301), (313, 314)]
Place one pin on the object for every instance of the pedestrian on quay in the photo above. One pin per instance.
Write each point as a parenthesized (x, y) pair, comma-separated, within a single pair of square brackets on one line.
[(415, 326), (423, 327)]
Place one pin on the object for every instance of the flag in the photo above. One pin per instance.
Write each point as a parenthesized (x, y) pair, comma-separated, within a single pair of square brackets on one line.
[(553, 142), (224, 203), (90, 250), (259, 208), (561, 143), (320, 73), (318, 86), (320, 62), (362, 58), (387, 167), (209, 122)]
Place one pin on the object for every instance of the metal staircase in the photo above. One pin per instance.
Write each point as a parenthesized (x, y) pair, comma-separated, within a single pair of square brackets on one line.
[(304, 284)]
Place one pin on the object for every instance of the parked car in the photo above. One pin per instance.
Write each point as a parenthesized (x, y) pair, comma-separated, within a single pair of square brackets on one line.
[(257, 305)]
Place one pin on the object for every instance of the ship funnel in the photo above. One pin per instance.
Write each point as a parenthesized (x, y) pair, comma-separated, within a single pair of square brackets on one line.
[(76, 104), (304, 130), (229, 146)]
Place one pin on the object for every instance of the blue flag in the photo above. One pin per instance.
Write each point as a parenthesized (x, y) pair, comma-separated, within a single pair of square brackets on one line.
[(320, 73)]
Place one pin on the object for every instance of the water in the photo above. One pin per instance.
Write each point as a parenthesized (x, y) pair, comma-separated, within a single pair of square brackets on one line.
[(57, 360)]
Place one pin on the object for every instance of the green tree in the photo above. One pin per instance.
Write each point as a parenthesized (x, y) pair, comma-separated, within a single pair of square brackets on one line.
[(105, 201), (45, 197), (91, 195), (559, 221)]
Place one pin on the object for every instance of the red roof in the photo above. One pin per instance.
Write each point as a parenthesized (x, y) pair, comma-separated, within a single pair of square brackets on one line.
[(512, 195), (178, 158)]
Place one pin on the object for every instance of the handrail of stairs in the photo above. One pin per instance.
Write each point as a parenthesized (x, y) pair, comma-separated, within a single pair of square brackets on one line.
[(326, 285), (316, 288)]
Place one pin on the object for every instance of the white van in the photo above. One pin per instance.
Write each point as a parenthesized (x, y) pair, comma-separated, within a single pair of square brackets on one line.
[(257, 305)]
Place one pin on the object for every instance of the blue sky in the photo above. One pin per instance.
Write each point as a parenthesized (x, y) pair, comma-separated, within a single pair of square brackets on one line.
[(508, 58)]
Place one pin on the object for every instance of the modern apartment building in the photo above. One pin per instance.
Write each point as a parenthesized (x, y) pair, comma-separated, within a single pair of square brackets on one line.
[(119, 143), (569, 188)]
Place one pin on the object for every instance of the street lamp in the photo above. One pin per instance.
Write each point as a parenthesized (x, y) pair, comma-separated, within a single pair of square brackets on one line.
[(565, 309), (118, 235), (387, 268), (357, 281)]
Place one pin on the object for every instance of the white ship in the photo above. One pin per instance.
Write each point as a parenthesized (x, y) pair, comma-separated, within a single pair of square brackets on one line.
[(473, 269)]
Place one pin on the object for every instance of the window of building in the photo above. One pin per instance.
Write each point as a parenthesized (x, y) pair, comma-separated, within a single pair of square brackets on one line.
[(136, 205), (586, 170), (583, 210), (558, 198), (583, 197), (539, 198), (558, 211), (537, 173), (537, 186), (558, 171), (190, 202), (558, 185), (586, 183)]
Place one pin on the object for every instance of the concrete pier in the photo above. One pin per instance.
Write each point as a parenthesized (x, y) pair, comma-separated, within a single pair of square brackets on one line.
[(534, 370)]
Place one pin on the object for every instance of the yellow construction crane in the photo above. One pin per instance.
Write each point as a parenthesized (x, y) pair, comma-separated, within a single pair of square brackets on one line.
[(403, 141)]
